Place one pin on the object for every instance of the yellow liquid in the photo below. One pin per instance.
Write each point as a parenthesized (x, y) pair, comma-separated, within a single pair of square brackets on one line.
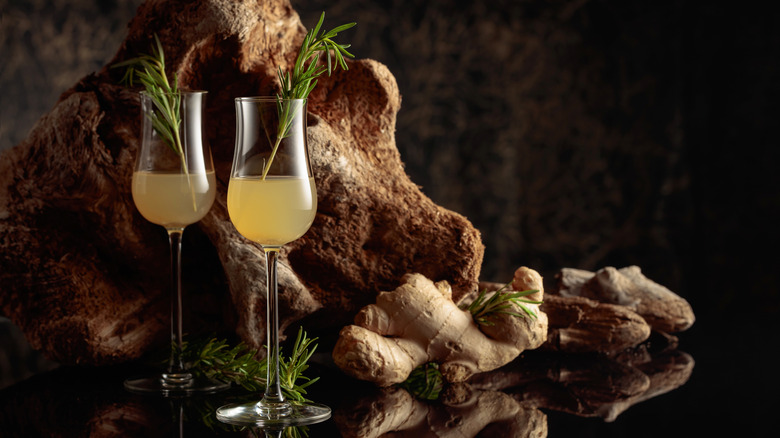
[(273, 211), (167, 198)]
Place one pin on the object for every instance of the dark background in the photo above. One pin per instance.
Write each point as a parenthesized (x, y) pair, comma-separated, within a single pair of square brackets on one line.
[(581, 134)]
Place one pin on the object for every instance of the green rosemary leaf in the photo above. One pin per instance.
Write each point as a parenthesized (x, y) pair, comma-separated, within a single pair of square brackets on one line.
[(217, 360), (500, 302), (316, 29), (424, 382), (159, 54), (328, 57), (338, 29)]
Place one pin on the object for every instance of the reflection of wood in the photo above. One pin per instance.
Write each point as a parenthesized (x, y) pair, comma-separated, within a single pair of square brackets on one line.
[(577, 384), (667, 371), (589, 385), (86, 278)]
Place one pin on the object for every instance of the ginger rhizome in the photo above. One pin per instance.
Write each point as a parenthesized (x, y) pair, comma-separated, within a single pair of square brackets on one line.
[(419, 323)]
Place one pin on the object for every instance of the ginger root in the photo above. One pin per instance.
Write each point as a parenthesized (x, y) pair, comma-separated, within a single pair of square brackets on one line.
[(419, 323)]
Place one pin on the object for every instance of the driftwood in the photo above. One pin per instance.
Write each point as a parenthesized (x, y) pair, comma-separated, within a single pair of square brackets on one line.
[(579, 325), (664, 310), (85, 276)]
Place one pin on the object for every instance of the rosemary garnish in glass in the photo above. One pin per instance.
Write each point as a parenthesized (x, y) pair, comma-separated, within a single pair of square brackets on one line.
[(149, 71), (299, 83)]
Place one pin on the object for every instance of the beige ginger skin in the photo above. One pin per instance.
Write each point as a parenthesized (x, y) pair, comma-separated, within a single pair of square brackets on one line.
[(419, 323)]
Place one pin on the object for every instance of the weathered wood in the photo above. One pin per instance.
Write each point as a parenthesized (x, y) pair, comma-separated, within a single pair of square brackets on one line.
[(579, 325), (663, 309), (86, 277)]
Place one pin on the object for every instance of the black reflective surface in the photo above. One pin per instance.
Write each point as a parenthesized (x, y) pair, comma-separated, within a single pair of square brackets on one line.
[(714, 375)]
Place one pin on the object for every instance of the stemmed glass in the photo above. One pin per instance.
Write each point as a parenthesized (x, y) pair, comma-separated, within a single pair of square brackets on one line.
[(272, 200), (174, 186)]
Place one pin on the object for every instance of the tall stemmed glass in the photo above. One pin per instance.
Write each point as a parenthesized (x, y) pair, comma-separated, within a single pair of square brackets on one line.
[(174, 186), (272, 201)]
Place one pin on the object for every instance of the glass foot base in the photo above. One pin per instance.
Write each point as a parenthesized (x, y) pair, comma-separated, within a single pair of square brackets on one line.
[(247, 414), (154, 385)]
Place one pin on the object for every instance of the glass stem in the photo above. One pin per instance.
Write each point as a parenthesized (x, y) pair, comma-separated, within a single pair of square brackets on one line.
[(177, 375), (273, 403), (274, 432)]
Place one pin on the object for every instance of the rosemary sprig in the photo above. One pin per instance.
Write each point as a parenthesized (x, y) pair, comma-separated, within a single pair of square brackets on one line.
[(149, 71), (291, 369), (300, 82), (216, 359), (483, 308), (424, 382)]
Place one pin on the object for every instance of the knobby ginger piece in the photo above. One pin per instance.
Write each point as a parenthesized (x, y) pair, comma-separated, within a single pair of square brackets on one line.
[(418, 322)]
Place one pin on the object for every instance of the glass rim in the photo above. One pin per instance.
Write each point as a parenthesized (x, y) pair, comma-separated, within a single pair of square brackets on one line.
[(268, 99), (180, 92)]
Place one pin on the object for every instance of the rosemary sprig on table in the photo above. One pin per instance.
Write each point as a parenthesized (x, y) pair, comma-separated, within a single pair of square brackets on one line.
[(217, 360), (291, 369), (500, 302), (300, 82)]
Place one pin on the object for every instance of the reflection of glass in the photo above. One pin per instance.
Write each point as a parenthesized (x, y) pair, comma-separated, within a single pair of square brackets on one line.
[(272, 200), (174, 188), (278, 432)]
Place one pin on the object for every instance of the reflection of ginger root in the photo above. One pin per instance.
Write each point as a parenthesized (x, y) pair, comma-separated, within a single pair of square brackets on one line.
[(419, 323), (468, 413)]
